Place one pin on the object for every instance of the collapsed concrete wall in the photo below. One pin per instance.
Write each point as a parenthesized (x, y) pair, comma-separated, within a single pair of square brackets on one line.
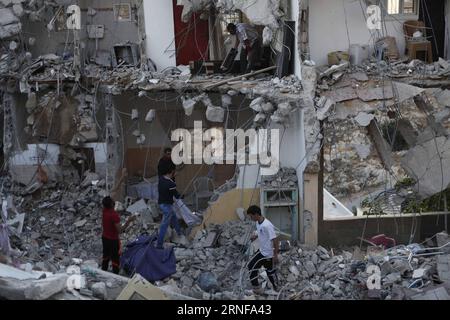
[(102, 27)]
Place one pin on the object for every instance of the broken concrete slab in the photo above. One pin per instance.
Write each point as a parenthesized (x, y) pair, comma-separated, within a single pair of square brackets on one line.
[(342, 94), (138, 206), (334, 69), (359, 76), (371, 94), (381, 145), (99, 290), (443, 240), (210, 240), (405, 91), (434, 294), (140, 289), (408, 132), (45, 288), (41, 289), (425, 163), (443, 97), (322, 113), (443, 267)]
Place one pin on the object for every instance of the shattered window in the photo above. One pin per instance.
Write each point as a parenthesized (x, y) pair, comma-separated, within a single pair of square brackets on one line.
[(122, 12), (234, 17), (401, 6)]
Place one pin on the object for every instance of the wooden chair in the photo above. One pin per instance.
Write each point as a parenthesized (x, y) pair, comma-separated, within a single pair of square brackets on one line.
[(416, 45)]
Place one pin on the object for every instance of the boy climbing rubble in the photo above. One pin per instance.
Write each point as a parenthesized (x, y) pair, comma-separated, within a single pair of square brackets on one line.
[(267, 255)]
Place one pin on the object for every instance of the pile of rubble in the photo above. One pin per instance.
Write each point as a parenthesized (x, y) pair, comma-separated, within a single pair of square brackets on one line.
[(285, 177), (62, 234), (214, 267), (63, 222)]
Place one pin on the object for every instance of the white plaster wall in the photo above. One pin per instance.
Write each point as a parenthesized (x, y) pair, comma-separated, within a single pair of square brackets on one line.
[(160, 31), (294, 16), (100, 153), (30, 155), (328, 31), (292, 153), (333, 208)]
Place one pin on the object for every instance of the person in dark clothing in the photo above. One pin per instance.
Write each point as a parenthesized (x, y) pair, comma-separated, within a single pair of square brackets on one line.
[(110, 235), (267, 255), (165, 163), (167, 190)]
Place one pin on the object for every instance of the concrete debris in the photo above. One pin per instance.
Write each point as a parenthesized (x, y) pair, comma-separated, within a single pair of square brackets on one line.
[(150, 116), (99, 290), (134, 114), (324, 105), (443, 241), (359, 76), (257, 104), (208, 282), (424, 162), (363, 119), (188, 105), (286, 177), (267, 36), (383, 93), (434, 294), (215, 114), (443, 267), (335, 69)]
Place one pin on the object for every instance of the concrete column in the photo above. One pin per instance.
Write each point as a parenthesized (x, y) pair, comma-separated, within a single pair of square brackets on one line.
[(112, 142), (311, 208)]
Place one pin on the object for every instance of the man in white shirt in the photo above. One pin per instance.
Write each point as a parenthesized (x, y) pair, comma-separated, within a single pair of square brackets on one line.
[(251, 44), (267, 255)]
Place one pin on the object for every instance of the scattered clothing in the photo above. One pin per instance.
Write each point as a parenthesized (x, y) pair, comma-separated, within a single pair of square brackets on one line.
[(141, 256)]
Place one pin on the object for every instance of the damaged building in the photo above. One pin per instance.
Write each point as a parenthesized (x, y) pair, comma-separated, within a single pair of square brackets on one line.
[(91, 89)]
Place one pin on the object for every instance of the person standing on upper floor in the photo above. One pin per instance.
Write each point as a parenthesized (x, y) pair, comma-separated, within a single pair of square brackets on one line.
[(250, 39)]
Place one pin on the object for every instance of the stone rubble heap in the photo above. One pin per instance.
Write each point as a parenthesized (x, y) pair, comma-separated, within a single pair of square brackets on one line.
[(213, 267), (286, 177), (64, 222)]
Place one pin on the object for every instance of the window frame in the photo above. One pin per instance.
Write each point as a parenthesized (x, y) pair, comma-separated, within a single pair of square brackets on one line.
[(228, 17), (401, 15), (116, 10)]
